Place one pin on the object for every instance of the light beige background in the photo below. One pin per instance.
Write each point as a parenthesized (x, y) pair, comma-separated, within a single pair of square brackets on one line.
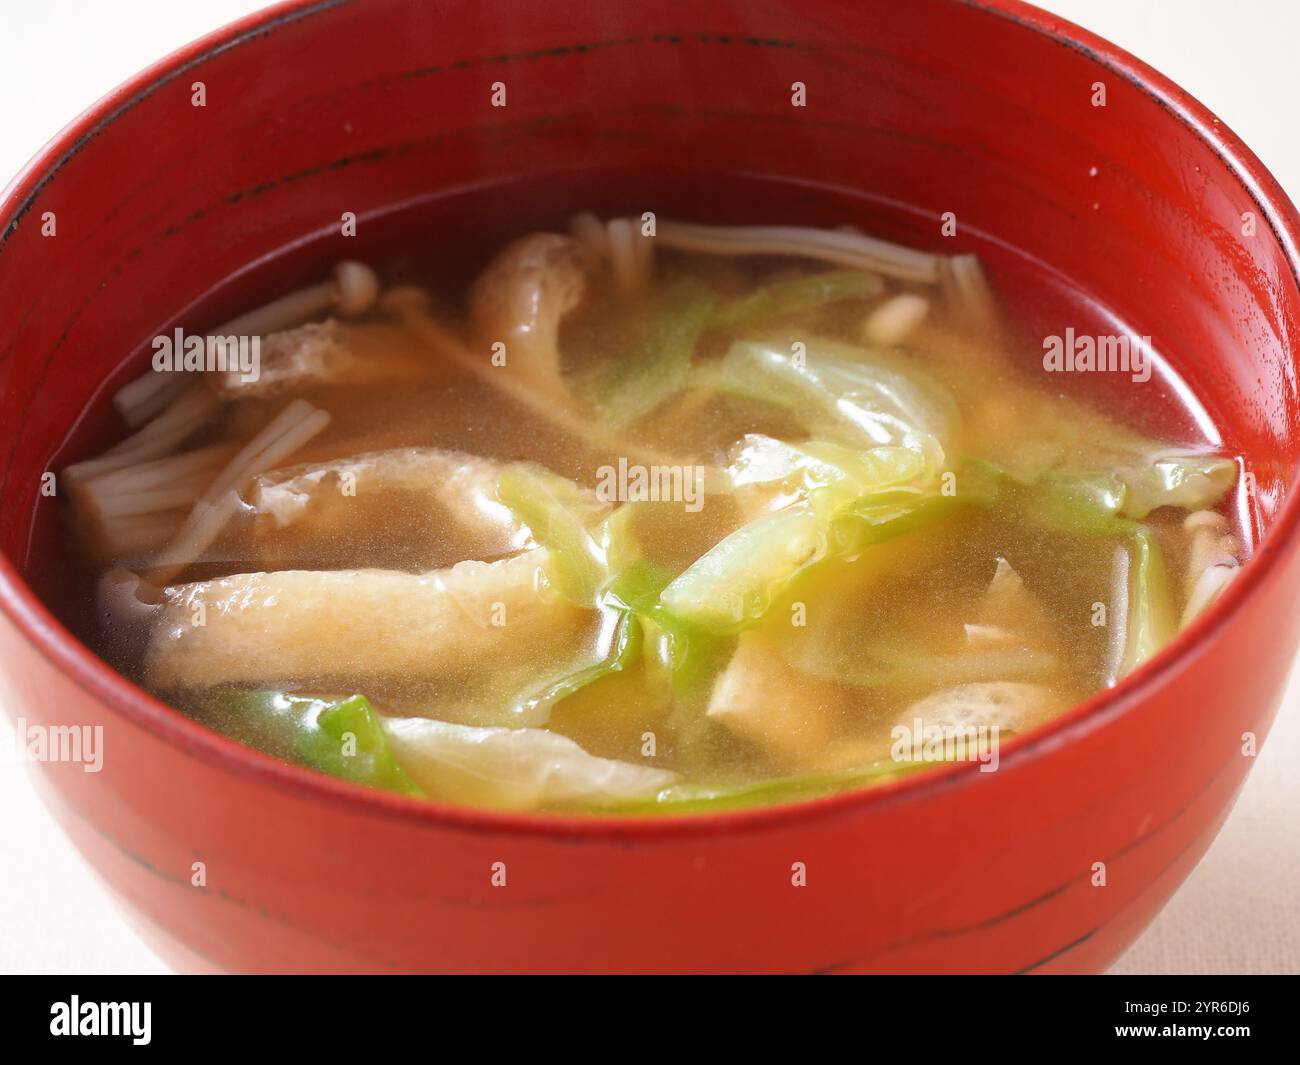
[(1237, 913)]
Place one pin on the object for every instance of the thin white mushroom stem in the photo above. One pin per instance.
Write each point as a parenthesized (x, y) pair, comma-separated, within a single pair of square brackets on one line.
[(158, 485), (553, 405), (349, 291), (1209, 540), (618, 244), (284, 435), (147, 396), (592, 234), (151, 529), (630, 256), (1208, 588), (134, 509), (288, 430), (187, 414), (129, 535), (835, 246), (198, 532), (1212, 561), (891, 323), (968, 290)]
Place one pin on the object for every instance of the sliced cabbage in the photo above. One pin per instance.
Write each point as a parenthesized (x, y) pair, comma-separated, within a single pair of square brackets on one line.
[(710, 798), (1143, 608), (734, 584), (646, 350), (1077, 505), (519, 768), (692, 655), (341, 737), (787, 298), (623, 640), (1132, 486), (852, 396), (516, 769), (601, 565), (1188, 479), (560, 516), (816, 464), (348, 742), (841, 502), (1035, 437)]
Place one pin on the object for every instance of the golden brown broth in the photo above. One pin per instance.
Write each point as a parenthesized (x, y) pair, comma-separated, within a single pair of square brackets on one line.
[(881, 630)]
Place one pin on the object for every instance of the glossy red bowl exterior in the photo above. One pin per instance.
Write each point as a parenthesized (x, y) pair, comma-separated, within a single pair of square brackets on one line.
[(170, 213)]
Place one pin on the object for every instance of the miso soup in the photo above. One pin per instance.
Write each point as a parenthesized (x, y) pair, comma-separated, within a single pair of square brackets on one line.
[(647, 519)]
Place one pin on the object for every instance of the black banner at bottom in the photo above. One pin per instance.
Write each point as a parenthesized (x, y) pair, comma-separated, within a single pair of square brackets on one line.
[(365, 1014)]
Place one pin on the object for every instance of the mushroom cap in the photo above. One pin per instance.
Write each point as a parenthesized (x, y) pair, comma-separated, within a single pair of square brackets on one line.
[(358, 288)]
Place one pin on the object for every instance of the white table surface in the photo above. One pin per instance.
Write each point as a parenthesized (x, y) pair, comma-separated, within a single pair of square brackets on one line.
[(1238, 910)]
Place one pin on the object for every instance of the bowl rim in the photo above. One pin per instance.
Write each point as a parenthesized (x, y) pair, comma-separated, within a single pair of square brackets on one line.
[(65, 653)]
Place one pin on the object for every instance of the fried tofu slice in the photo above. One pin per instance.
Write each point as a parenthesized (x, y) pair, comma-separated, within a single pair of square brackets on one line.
[(515, 768), (790, 716), (523, 295), (435, 506), (1009, 706), (1008, 614), (330, 353), (371, 630)]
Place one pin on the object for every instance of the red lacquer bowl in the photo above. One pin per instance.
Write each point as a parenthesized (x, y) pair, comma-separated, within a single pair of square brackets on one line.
[(169, 213)]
